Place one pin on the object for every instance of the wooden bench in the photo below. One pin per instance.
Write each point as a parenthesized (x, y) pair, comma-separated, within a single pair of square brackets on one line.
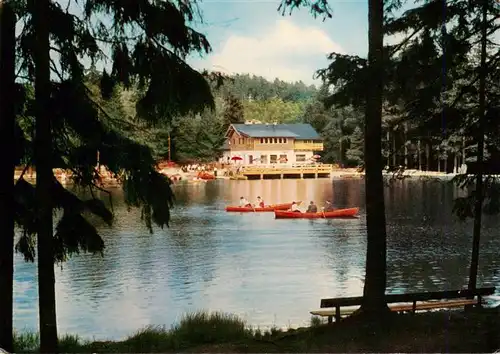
[(412, 302)]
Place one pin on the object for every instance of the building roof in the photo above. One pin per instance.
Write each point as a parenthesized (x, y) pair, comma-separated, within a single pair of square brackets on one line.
[(297, 131)]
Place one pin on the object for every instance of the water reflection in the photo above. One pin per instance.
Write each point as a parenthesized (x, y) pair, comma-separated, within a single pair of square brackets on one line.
[(271, 272)]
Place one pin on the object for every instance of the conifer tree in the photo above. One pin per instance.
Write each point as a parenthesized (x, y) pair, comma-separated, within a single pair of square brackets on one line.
[(71, 125)]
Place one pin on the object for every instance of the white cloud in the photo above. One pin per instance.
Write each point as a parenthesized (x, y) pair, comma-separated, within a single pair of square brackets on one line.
[(288, 52)]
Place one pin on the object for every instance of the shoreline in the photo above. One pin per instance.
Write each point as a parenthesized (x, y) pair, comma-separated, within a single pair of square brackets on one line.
[(477, 330), (177, 175)]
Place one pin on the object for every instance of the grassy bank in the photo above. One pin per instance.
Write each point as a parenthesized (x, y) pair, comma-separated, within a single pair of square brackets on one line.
[(475, 331)]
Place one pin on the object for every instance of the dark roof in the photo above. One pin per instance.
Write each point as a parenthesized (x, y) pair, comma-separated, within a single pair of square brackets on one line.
[(297, 131)]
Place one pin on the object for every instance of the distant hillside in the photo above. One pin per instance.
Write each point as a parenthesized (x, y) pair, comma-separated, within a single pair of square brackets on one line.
[(250, 87)]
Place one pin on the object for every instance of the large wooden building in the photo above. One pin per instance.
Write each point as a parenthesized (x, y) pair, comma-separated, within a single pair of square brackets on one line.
[(266, 144)]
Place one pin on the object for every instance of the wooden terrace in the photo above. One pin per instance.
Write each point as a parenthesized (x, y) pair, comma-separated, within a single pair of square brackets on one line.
[(278, 171)]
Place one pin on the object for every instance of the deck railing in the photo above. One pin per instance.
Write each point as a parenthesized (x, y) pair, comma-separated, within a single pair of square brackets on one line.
[(286, 169)]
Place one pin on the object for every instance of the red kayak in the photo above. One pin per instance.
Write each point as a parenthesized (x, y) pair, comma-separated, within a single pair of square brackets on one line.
[(339, 213), (268, 208)]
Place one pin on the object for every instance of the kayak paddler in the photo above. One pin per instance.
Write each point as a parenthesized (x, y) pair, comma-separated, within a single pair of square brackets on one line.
[(244, 202), (328, 206), (295, 207), (260, 202), (312, 208)]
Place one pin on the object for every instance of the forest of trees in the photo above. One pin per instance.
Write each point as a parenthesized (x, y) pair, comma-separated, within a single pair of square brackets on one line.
[(248, 98)]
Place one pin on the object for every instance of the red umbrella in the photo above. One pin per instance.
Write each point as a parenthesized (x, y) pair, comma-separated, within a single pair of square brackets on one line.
[(236, 158)]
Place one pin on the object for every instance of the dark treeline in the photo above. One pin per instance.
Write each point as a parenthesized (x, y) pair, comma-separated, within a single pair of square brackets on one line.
[(199, 137)]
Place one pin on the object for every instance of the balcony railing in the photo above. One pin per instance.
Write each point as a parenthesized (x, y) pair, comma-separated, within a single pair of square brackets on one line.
[(298, 145)]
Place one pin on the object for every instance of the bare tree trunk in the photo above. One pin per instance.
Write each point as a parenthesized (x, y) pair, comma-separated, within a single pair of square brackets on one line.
[(419, 155), (341, 156), (455, 163), (478, 207), (463, 150), (428, 157), (388, 137), (406, 145), (445, 168), (394, 162), (44, 181), (7, 169), (374, 303)]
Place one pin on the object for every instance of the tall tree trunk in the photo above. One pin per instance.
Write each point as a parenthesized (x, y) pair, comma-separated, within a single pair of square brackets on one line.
[(478, 207), (341, 153), (445, 168), (406, 145), (388, 146), (394, 162), (374, 303), (455, 163), (7, 169), (428, 156), (463, 150), (419, 152), (44, 180)]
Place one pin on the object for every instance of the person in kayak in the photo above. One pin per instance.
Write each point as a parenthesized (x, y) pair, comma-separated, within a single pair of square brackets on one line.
[(312, 208), (295, 207), (260, 202), (244, 202), (328, 206)]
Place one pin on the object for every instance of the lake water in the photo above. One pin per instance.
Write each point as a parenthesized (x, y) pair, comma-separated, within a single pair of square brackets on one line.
[(270, 272)]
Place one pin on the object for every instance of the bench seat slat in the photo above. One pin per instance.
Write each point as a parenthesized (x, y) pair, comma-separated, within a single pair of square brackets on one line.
[(425, 296), (402, 307)]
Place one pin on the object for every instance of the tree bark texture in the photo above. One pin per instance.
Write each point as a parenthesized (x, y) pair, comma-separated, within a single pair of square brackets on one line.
[(375, 278), (44, 180), (478, 207), (7, 169)]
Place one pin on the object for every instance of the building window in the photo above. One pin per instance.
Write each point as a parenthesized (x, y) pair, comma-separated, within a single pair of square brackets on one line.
[(284, 140), (263, 159), (261, 140), (300, 158), (283, 159), (274, 158), (265, 140), (275, 140)]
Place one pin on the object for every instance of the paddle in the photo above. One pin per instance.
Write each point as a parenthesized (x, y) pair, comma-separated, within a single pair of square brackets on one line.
[(323, 212)]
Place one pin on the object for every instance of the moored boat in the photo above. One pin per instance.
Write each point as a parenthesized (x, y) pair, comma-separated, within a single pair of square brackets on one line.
[(267, 208), (339, 213), (205, 176)]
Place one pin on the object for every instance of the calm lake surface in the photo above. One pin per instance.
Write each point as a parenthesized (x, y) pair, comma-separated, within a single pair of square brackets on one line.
[(270, 272)]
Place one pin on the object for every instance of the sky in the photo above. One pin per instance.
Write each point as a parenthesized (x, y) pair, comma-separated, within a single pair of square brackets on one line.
[(251, 36)]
